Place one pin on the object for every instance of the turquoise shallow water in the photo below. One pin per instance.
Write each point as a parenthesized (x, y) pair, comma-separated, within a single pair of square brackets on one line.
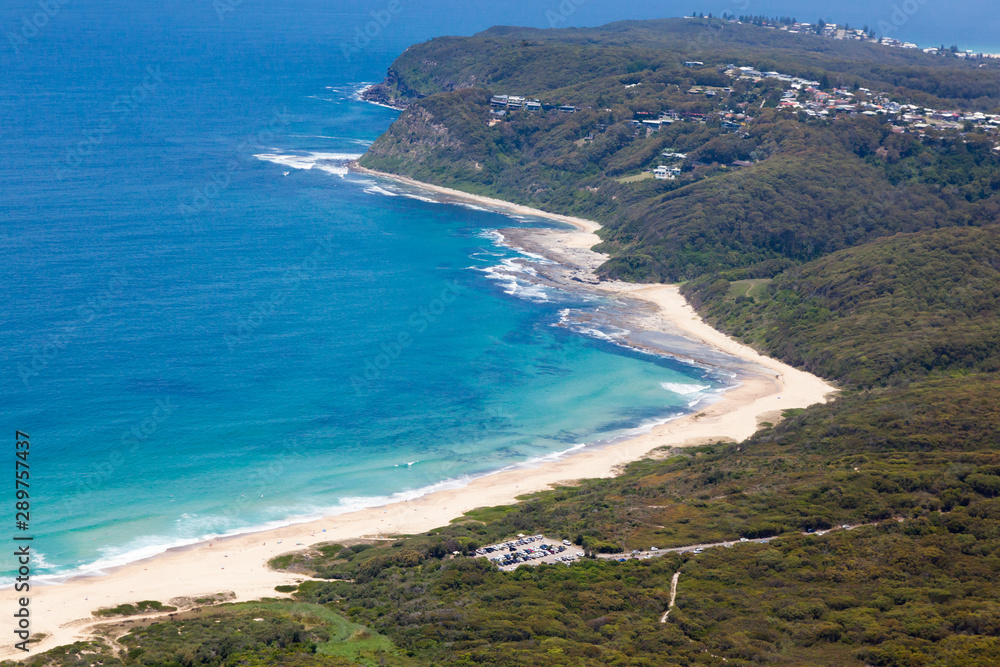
[(203, 336)]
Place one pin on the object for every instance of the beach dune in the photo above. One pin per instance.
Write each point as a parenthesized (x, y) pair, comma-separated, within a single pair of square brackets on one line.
[(63, 612)]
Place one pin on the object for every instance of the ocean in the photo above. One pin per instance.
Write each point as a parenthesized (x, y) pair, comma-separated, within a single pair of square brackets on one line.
[(208, 326)]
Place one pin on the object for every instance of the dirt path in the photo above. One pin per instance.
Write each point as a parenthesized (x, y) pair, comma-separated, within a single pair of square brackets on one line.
[(673, 596)]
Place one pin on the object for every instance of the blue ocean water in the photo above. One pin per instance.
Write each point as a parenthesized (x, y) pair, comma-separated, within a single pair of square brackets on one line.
[(209, 327)]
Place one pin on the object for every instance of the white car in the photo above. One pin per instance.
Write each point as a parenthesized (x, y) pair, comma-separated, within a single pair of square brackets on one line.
[(654, 548)]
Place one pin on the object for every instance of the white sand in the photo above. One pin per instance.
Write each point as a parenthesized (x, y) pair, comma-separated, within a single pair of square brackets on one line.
[(238, 564)]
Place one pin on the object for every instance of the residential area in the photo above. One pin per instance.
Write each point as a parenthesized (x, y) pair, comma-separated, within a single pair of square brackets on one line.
[(865, 34)]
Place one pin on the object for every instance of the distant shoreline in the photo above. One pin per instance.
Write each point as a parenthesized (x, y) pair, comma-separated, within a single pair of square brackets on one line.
[(238, 564)]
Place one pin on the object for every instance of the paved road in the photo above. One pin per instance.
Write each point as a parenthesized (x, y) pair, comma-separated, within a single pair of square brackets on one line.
[(574, 552), (691, 547)]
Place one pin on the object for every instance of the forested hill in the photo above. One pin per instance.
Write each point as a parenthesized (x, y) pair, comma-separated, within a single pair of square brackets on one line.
[(572, 64), (771, 165), (884, 313)]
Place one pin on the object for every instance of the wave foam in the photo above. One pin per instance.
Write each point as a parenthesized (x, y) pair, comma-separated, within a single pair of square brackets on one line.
[(684, 389), (514, 287), (412, 195), (376, 190), (332, 163)]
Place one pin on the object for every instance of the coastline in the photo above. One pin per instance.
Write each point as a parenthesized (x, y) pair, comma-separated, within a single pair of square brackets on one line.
[(238, 564)]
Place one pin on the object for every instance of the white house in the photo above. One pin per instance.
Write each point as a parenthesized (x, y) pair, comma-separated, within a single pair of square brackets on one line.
[(662, 173)]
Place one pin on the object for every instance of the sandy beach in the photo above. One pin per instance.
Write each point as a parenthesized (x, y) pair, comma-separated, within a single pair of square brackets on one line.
[(63, 612)]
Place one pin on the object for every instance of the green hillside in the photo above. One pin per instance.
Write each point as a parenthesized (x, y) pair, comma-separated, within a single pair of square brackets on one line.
[(886, 312), (573, 63)]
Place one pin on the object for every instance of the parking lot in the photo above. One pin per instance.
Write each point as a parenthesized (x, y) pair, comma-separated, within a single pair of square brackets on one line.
[(529, 550)]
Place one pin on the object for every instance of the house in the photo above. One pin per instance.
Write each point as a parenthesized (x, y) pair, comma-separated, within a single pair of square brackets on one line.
[(566, 108), (533, 105), (662, 173), (498, 101), (694, 63)]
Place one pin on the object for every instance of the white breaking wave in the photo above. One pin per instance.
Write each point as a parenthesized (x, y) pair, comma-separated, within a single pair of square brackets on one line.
[(617, 335), (495, 236), (421, 198), (474, 207), (376, 190), (684, 389), (514, 287), (597, 333), (332, 163), (360, 90)]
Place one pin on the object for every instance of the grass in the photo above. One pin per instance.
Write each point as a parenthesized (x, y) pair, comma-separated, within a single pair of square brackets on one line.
[(751, 288), (133, 609), (644, 176), (348, 640)]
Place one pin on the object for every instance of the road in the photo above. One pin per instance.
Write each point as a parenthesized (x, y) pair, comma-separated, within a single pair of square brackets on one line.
[(729, 543)]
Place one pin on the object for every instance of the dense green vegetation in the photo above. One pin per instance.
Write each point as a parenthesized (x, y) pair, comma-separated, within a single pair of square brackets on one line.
[(143, 607), (574, 65), (888, 311), (275, 632)]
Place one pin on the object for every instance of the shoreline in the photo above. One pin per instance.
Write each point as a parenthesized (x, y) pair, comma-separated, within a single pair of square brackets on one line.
[(238, 563)]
